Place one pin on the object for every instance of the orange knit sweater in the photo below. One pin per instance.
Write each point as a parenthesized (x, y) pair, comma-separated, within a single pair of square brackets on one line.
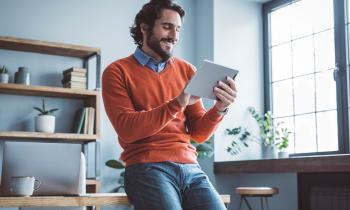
[(152, 126)]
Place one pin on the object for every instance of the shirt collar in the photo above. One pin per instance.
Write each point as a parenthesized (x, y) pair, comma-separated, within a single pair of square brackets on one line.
[(148, 61)]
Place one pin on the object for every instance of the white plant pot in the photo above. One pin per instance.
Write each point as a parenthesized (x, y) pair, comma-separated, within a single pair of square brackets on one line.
[(4, 78), (269, 152), (283, 155), (45, 123)]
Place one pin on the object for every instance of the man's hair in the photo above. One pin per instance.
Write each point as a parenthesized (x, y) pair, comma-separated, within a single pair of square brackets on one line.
[(149, 13)]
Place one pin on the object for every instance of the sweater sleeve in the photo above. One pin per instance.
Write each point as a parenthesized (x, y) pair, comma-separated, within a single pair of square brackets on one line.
[(201, 123), (132, 125)]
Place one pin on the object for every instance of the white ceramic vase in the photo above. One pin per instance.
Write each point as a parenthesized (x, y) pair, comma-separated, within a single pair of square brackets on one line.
[(4, 78), (283, 154), (269, 152), (45, 123)]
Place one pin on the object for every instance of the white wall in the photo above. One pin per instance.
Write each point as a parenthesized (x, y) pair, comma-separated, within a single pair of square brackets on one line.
[(104, 24), (238, 43)]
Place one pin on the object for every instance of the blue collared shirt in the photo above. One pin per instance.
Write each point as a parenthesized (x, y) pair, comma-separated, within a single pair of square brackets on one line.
[(146, 60)]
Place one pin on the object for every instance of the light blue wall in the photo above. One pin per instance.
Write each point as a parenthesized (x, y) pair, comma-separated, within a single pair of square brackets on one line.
[(227, 31), (104, 24)]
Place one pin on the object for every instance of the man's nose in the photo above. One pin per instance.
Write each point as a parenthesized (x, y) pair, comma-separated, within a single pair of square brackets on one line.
[(174, 34)]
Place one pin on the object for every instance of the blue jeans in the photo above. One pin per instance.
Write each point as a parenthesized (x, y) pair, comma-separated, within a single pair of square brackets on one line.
[(170, 186)]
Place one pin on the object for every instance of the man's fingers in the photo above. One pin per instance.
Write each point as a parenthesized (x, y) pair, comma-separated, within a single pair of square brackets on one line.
[(232, 83), (224, 96)]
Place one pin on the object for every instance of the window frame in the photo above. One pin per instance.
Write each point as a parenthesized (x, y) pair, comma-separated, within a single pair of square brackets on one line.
[(340, 74)]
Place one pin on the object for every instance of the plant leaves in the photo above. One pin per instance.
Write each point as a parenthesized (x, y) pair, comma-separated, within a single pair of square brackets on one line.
[(115, 164)]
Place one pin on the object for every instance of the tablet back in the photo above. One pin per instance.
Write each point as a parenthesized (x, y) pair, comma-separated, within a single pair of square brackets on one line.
[(206, 77)]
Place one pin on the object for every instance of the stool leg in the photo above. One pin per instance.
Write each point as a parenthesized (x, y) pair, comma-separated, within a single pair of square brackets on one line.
[(240, 203), (262, 203), (267, 203), (247, 203)]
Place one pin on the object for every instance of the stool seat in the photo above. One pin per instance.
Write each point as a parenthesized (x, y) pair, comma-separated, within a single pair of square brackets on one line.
[(262, 192), (257, 191)]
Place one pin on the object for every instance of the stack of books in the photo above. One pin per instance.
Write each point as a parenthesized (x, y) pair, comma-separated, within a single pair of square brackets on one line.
[(84, 121), (74, 78)]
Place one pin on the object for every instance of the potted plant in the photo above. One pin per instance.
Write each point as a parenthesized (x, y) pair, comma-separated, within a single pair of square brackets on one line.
[(116, 164), (4, 76), (269, 135), (45, 121), (283, 143)]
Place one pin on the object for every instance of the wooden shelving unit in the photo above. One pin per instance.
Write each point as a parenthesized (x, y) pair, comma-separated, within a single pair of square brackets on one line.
[(52, 48), (89, 97), (23, 135), (59, 92)]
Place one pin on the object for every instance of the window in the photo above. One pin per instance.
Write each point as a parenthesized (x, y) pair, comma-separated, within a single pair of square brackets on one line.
[(305, 80)]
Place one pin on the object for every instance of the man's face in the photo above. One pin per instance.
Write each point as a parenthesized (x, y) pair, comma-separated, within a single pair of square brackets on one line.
[(164, 35)]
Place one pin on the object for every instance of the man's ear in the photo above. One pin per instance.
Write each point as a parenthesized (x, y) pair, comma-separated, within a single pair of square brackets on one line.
[(144, 28)]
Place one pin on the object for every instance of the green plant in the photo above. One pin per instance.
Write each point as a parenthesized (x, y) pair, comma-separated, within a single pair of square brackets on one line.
[(283, 141), (3, 70), (43, 111), (269, 134), (116, 164), (204, 150)]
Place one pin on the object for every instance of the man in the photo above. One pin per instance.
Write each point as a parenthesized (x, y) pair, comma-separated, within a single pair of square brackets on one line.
[(155, 120)]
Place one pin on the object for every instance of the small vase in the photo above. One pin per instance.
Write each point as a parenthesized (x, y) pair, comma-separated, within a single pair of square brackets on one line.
[(45, 123), (22, 76), (283, 154), (4, 78), (269, 152)]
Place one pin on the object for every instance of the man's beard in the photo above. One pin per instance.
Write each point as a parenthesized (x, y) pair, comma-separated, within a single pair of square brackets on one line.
[(154, 44)]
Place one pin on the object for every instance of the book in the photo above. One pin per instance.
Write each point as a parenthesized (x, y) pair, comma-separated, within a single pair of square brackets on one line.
[(74, 69), (74, 73), (91, 120), (79, 120), (86, 121), (73, 79), (71, 84)]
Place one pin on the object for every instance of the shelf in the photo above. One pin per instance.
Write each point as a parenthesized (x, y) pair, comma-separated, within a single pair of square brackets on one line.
[(16, 135), (92, 182), (312, 164), (52, 48), (46, 91)]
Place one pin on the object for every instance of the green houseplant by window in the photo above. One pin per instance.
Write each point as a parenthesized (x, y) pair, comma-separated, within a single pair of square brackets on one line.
[(270, 135)]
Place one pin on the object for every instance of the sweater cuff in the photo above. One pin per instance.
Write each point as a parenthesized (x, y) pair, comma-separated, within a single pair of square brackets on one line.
[(175, 107), (214, 116)]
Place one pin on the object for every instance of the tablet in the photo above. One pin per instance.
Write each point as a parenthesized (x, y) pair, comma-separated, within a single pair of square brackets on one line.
[(206, 77)]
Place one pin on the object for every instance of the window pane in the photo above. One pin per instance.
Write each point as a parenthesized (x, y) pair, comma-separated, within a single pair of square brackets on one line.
[(280, 27), (305, 133), (326, 95), (282, 98), (323, 15), (327, 131), (303, 56), (302, 22), (288, 122), (324, 50), (281, 61), (304, 94)]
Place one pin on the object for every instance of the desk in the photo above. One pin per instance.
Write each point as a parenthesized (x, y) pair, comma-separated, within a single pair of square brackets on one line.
[(93, 199)]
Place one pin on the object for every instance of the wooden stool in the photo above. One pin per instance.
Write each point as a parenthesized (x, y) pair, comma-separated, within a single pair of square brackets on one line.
[(262, 192)]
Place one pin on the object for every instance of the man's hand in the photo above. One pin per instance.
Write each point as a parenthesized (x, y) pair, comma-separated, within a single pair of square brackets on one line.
[(226, 94), (186, 99)]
